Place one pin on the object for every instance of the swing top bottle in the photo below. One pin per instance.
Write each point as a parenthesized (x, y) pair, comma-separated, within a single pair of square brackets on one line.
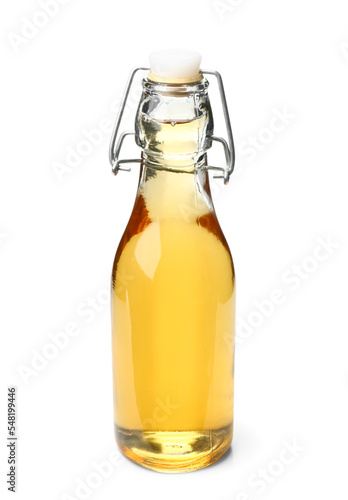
[(173, 284)]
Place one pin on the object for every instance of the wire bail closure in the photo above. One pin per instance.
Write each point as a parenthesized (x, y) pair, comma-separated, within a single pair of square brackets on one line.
[(118, 139)]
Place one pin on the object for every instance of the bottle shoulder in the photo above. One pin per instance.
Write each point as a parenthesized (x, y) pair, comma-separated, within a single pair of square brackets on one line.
[(210, 222), (178, 243)]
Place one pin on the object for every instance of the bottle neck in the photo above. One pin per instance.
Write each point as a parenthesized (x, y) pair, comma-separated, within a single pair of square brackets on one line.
[(174, 128), (175, 194), (174, 124)]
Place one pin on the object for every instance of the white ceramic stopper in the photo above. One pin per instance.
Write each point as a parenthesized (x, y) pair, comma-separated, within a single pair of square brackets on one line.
[(175, 63)]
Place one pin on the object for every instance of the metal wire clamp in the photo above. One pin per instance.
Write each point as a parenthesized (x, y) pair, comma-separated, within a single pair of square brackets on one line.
[(118, 139)]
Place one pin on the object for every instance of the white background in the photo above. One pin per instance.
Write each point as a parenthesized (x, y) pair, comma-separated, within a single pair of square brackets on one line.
[(58, 236)]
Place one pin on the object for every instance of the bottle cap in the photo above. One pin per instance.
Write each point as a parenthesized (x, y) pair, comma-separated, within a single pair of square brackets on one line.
[(175, 64)]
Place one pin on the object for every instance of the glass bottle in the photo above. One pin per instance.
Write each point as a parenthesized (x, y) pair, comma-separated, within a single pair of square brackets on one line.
[(173, 291)]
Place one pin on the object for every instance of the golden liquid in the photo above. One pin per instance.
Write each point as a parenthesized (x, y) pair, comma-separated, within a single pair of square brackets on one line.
[(173, 300)]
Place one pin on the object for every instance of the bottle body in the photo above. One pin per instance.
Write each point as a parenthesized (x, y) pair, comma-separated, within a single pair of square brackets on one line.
[(173, 300), (173, 309)]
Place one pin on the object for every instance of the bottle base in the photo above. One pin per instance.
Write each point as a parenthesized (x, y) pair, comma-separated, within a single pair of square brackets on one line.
[(174, 451)]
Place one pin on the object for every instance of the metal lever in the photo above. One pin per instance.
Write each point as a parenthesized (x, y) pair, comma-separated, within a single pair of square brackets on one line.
[(115, 148), (116, 145), (228, 148)]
